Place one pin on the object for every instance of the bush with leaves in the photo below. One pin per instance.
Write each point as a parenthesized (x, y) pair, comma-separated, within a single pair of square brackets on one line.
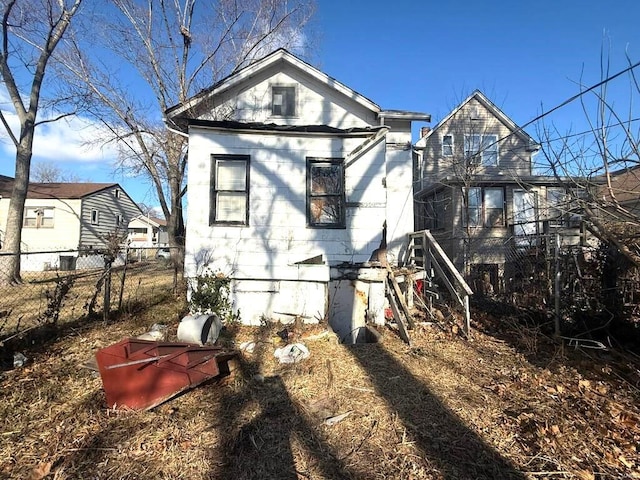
[(210, 294)]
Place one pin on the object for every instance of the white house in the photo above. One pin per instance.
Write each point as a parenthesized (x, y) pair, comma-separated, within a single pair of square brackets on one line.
[(147, 232), (291, 177), (63, 219)]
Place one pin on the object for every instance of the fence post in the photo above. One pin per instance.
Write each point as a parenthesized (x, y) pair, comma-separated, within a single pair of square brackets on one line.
[(557, 285), (107, 293)]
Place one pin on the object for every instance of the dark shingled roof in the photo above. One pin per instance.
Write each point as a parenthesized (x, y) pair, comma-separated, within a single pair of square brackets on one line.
[(233, 125), (55, 190)]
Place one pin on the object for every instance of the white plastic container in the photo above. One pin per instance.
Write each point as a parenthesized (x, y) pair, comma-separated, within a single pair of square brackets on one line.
[(199, 329)]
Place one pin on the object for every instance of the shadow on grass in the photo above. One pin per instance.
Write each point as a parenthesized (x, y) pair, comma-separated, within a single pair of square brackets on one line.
[(453, 450), (263, 426)]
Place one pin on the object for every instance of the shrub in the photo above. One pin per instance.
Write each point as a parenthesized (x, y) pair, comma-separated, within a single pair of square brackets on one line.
[(210, 294)]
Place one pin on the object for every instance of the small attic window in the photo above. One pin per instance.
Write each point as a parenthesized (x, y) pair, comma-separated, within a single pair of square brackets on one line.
[(283, 101), (116, 193)]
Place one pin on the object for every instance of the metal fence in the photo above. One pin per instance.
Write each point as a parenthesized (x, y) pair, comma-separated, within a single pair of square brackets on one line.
[(573, 282), (63, 286)]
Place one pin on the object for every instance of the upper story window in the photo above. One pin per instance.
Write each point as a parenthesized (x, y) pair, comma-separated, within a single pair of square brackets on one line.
[(447, 145), (119, 220), (485, 207), (325, 193), (481, 149), (116, 193), (95, 217), (38, 217), (229, 190), (283, 101)]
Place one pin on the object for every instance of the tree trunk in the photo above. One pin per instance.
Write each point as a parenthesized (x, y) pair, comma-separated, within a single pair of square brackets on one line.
[(10, 264)]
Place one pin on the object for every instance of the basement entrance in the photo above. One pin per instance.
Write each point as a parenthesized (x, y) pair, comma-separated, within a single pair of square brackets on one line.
[(357, 302)]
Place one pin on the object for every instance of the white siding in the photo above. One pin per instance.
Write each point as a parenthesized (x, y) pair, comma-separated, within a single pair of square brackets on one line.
[(316, 104), (65, 233), (277, 236)]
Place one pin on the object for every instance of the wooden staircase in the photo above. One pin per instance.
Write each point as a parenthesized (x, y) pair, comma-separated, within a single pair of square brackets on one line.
[(425, 254)]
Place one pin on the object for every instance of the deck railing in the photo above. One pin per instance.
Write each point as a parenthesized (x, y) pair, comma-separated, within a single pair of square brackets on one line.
[(425, 251)]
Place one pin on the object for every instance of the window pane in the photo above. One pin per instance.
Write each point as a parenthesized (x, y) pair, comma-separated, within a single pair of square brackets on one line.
[(471, 144), (494, 206), (326, 210), (447, 145), (326, 179), (231, 175), (283, 101), (524, 213), (474, 197), (326, 193), (231, 207), (474, 218), (490, 150), (493, 198)]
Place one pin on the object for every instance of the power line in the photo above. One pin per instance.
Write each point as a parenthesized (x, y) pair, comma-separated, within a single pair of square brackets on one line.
[(563, 104)]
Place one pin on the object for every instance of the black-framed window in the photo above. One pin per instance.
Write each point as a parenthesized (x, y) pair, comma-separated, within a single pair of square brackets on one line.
[(485, 207), (325, 193), (283, 101), (229, 190)]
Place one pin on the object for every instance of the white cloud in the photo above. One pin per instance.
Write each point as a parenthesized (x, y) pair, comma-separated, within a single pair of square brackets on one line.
[(71, 139)]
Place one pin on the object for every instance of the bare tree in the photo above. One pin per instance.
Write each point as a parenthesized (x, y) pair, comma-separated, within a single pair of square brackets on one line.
[(173, 50), (31, 31), (600, 164), (50, 172)]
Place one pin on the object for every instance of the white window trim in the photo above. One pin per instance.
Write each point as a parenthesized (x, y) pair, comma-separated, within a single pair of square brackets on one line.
[(39, 217), (481, 140), (95, 221)]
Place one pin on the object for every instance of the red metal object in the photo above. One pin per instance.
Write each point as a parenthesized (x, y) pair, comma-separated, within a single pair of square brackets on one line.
[(143, 374)]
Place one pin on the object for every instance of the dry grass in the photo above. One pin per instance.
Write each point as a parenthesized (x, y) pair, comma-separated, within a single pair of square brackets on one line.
[(24, 305), (442, 408)]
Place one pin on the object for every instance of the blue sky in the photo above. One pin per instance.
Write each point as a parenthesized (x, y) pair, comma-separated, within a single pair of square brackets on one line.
[(428, 56)]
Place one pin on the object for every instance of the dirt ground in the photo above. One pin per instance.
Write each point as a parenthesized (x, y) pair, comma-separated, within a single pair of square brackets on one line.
[(505, 404)]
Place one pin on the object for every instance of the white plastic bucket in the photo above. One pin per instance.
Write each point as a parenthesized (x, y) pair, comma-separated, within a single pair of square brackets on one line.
[(199, 329)]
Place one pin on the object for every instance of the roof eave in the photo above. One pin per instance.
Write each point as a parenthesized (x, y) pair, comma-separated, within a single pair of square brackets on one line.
[(279, 55), (405, 115)]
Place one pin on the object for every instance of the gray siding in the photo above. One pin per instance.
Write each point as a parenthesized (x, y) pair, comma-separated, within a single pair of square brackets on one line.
[(474, 119), (108, 207)]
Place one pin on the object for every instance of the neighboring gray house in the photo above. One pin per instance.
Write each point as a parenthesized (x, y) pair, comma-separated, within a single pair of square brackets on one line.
[(73, 217), (477, 193), (292, 176)]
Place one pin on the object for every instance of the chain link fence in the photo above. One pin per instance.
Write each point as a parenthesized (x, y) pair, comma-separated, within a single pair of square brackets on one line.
[(64, 286), (582, 287)]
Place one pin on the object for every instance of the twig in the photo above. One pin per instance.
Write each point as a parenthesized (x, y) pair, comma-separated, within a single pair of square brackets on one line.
[(556, 472), (368, 390)]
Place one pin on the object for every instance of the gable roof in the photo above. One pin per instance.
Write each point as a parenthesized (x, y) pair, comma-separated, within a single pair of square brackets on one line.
[(625, 185), (284, 56), (58, 190), (489, 105), (149, 220)]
